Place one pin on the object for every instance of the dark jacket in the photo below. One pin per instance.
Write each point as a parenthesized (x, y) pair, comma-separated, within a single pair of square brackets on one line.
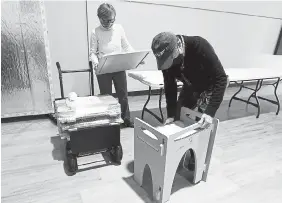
[(202, 68)]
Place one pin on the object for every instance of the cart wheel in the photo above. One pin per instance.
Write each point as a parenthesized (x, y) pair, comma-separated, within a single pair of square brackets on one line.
[(71, 161), (117, 154), (71, 165)]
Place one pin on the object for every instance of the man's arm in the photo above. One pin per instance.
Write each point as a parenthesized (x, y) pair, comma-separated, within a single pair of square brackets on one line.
[(170, 88), (219, 77)]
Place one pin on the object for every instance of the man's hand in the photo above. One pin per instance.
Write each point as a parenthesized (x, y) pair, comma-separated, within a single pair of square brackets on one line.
[(205, 121), (168, 121), (142, 62)]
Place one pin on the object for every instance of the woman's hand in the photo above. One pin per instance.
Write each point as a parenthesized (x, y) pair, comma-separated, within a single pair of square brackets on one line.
[(95, 66)]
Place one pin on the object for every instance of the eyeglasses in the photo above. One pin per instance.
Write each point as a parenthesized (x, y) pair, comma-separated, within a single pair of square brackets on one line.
[(107, 21)]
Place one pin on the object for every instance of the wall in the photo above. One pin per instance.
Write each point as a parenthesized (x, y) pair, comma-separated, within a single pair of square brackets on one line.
[(66, 21), (271, 9), (278, 48), (232, 35), (25, 82), (229, 33)]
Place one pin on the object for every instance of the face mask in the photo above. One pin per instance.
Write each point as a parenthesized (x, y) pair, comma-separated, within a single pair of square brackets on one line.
[(107, 22), (107, 25), (178, 60)]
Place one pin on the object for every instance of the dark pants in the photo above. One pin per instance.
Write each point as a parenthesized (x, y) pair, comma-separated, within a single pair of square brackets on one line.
[(193, 100), (120, 83)]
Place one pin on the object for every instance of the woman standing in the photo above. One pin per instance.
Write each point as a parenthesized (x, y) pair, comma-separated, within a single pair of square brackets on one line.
[(105, 39)]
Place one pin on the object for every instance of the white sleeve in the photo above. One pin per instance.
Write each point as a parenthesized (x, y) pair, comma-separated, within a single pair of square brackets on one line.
[(124, 42), (93, 48)]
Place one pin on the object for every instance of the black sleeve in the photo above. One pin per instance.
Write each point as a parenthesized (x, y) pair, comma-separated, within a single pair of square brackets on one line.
[(219, 77), (170, 88)]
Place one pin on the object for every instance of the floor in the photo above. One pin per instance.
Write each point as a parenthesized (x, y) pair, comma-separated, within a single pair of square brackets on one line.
[(246, 165)]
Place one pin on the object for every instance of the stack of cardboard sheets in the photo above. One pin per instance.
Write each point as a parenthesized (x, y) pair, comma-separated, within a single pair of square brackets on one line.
[(87, 112)]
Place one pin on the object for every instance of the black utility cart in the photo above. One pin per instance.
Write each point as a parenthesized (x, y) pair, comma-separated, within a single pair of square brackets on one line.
[(90, 125)]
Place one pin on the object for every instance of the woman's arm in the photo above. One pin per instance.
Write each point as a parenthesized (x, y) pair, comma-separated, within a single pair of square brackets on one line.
[(124, 42), (93, 48)]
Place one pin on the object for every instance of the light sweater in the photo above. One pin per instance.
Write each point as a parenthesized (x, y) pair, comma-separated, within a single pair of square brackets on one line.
[(105, 41)]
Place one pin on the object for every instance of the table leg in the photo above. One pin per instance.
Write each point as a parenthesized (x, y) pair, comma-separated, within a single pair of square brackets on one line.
[(161, 120), (275, 92), (254, 94), (277, 102), (255, 91), (160, 105), (241, 86), (144, 107)]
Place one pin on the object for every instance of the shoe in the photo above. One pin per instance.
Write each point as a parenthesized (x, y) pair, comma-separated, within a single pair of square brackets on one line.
[(128, 124)]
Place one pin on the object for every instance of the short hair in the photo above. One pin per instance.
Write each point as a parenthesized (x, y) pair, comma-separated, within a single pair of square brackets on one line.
[(105, 10)]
